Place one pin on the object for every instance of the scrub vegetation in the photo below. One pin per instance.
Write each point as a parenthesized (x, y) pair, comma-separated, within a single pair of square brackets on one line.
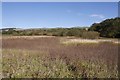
[(47, 57)]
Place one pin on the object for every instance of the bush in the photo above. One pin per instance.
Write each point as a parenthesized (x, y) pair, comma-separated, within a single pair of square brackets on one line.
[(107, 28), (90, 35), (74, 32), (78, 32)]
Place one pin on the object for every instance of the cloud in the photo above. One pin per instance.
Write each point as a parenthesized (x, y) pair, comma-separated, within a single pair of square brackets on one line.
[(98, 16)]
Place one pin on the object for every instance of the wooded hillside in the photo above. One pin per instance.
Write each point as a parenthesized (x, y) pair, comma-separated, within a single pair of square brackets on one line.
[(107, 28)]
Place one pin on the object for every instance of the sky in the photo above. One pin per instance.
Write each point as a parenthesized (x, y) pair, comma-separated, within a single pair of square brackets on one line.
[(60, 0), (56, 14)]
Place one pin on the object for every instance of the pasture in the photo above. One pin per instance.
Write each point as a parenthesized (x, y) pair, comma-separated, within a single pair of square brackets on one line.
[(58, 57)]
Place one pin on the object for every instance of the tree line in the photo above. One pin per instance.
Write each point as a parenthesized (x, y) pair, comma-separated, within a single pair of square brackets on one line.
[(107, 28), (78, 32)]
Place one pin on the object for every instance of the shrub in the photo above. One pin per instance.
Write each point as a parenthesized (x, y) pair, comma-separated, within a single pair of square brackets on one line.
[(107, 28), (90, 35)]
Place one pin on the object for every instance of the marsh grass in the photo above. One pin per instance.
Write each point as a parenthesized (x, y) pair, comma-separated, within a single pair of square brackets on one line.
[(46, 57), (27, 64), (78, 43), (33, 64)]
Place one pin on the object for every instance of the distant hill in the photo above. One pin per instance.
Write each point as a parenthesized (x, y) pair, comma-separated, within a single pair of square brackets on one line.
[(7, 29), (107, 28)]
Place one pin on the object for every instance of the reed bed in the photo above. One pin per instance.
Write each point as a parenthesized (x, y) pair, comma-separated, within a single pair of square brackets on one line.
[(46, 57)]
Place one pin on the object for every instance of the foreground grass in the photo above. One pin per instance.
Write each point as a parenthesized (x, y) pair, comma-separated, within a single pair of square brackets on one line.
[(36, 64)]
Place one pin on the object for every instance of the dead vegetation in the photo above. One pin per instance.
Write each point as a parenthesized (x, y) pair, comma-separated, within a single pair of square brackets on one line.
[(47, 57)]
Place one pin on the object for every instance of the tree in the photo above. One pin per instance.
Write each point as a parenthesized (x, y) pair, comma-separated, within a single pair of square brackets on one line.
[(107, 28)]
